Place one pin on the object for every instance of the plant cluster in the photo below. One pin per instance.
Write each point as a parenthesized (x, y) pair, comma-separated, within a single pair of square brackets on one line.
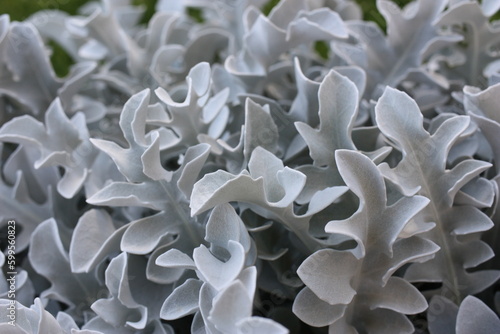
[(235, 172)]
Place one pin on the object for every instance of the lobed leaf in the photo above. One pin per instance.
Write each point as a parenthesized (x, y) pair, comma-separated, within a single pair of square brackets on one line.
[(353, 288), (422, 170)]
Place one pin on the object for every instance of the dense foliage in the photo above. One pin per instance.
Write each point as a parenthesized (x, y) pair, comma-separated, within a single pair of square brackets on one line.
[(221, 169)]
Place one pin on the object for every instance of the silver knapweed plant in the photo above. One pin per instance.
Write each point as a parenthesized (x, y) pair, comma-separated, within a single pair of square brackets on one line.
[(220, 175)]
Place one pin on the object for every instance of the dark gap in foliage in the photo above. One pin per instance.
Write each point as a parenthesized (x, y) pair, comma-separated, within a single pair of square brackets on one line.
[(299, 209), (4, 241), (464, 30), (62, 306), (220, 253), (429, 286), (251, 219), (61, 61), (171, 163), (179, 95), (54, 307), (419, 322), (150, 9), (272, 305), (217, 59), (196, 14), (400, 272), (21, 9), (342, 209), (268, 301), (488, 295), (290, 79), (61, 171), (281, 248), (182, 325), (82, 203), (7, 150), (322, 49), (371, 13), (11, 108), (146, 212)]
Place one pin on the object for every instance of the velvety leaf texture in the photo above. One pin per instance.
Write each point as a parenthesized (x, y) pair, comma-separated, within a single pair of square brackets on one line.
[(249, 166), (390, 59), (423, 169), (73, 154), (338, 108), (477, 28), (354, 280), (74, 290)]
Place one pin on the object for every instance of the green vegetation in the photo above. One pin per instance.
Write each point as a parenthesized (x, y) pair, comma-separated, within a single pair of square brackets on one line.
[(269, 6), (61, 61), (19, 10), (22, 9), (370, 12), (196, 14), (150, 8)]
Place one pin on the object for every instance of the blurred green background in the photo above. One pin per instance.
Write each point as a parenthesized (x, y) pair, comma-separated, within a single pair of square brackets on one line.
[(21, 9)]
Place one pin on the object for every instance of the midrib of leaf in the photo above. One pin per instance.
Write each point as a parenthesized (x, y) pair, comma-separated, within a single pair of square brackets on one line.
[(181, 214), (190, 122), (89, 297), (408, 51), (442, 235), (359, 278), (194, 127), (42, 85), (299, 226)]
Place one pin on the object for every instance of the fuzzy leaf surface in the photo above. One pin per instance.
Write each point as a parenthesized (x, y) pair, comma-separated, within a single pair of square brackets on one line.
[(423, 170)]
